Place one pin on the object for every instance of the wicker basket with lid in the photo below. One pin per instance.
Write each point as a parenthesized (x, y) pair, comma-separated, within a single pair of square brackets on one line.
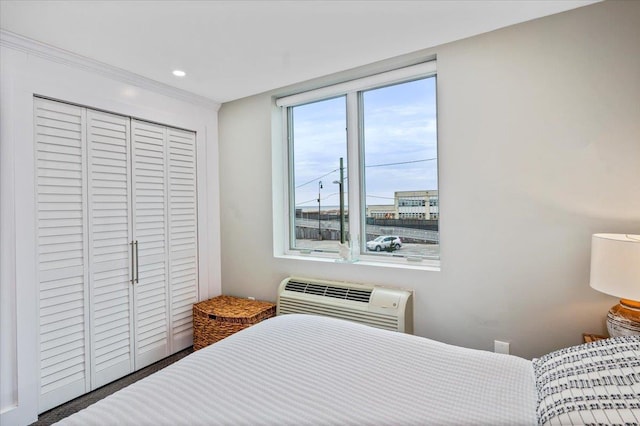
[(220, 317)]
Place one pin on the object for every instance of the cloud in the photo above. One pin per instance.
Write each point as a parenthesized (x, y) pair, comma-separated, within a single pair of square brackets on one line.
[(399, 127)]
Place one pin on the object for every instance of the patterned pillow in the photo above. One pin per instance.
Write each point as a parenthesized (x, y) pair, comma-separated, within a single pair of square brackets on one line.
[(596, 383)]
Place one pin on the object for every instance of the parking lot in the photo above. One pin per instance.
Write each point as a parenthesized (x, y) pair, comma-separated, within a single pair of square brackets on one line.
[(407, 249)]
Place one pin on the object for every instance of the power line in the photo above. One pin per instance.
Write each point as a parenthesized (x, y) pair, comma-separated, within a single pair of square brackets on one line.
[(308, 201), (402, 162), (315, 179), (372, 165), (379, 196), (315, 200)]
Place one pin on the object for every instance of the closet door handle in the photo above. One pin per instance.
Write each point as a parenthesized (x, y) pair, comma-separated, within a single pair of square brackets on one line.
[(133, 266), (137, 264)]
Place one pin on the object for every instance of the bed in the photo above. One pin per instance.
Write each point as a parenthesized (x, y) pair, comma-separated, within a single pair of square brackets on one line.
[(310, 370)]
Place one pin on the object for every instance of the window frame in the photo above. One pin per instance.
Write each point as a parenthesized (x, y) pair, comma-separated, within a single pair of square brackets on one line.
[(353, 91)]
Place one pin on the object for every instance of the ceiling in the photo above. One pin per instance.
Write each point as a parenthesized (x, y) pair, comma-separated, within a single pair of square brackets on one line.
[(233, 49)]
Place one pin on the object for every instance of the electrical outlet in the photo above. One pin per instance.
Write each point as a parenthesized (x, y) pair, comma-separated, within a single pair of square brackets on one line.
[(500, 347)]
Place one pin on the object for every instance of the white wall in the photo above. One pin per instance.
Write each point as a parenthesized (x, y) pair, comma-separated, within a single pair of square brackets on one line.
[(30, 69), (539, 137)]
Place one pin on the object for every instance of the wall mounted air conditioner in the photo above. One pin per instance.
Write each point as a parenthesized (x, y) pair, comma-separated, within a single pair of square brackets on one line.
[(382, 307)]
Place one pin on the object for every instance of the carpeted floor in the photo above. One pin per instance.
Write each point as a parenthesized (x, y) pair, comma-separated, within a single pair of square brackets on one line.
[(65, 410)]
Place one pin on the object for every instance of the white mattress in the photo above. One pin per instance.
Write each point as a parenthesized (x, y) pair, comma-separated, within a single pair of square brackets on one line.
[(298, 369)]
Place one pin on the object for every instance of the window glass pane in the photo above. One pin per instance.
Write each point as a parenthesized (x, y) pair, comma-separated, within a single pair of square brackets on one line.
[(401, 169), (319, 141)]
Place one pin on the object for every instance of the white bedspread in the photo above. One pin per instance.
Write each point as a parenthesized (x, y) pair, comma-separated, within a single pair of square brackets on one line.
[(299, 370)]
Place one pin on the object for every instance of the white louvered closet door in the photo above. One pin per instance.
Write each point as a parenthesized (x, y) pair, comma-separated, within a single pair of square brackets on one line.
[(183, 244), (62, 252), (151, 234), (117, 246), (109, 206)]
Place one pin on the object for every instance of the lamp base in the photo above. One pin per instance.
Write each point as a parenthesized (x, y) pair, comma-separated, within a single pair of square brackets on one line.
[(624, 319)]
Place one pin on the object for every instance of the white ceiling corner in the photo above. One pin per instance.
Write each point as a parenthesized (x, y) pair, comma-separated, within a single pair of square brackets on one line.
[(233, 49)]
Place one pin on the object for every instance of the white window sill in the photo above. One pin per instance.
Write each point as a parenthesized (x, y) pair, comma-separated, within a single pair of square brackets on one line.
[(397, 263)]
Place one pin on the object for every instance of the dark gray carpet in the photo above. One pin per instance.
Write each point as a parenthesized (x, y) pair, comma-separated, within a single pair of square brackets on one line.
[(65, 410)]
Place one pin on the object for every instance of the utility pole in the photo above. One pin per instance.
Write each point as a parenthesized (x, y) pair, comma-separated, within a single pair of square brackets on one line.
[(341, 184), (319, 230)]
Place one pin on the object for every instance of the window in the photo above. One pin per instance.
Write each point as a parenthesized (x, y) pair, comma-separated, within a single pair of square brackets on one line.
[(319, 132), (362, 167)]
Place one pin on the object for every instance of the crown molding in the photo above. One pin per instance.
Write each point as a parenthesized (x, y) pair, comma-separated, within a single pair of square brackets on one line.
[(61, 56)]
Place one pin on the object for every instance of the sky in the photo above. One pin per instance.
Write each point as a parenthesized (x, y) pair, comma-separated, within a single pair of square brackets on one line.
[(400, 144)]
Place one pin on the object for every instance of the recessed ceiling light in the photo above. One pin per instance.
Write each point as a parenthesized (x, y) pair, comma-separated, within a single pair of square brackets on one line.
[(179, 73)]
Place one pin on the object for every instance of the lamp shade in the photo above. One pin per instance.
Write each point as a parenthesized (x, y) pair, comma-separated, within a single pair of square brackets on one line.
[(615, 265)]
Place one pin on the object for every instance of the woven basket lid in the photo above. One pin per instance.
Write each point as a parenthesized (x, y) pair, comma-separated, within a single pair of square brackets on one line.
[(234, 307)]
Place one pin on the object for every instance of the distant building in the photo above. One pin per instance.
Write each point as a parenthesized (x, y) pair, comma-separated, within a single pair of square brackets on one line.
[(408, 205), (384, 211), (417, 204)]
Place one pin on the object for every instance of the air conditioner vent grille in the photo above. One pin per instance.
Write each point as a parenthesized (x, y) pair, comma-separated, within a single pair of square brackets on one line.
[(355, 295), (290, 306), (381, 307)]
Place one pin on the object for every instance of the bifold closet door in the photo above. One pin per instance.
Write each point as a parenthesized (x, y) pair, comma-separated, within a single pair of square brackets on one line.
[(150, 230), (110, 248), (117, 246), (62, 251), (183, 243)]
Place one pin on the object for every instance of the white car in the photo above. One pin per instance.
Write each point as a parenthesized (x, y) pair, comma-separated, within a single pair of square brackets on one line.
[(385, 242)]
